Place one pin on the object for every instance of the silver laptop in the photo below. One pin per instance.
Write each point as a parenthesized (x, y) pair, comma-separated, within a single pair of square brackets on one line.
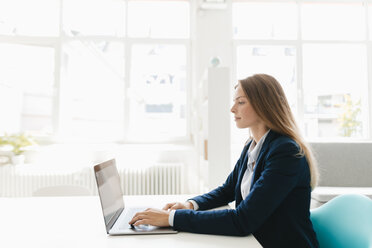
[(115, 214)]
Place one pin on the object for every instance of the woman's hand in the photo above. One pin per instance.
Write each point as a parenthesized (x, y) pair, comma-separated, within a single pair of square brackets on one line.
[(178, 205), (151, 216), (157, 217)]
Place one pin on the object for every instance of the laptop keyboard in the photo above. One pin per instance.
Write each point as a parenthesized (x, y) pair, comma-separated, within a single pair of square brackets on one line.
[(127, 217)]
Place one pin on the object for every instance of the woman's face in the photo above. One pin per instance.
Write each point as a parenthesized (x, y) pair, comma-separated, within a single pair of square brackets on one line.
[(245, 116)]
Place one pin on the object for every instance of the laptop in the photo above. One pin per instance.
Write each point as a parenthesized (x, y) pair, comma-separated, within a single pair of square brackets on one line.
[(116, 216)]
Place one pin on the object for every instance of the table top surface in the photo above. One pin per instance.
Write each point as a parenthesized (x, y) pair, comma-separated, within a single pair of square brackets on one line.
[(78, 222)]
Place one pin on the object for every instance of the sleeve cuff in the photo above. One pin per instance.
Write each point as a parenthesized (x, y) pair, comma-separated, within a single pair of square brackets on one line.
[(171, 217), (194, 203)]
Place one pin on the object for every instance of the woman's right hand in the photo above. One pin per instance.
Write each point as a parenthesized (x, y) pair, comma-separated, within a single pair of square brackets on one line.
[(178, 205)]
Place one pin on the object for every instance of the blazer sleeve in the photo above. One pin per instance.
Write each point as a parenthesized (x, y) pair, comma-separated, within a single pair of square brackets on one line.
[(282, 170), (224, 194)]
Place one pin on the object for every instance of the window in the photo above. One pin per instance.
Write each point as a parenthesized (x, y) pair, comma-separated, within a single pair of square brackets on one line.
[(319, 52), (33, 18), (158, 91), (101, 70), (27, 84)]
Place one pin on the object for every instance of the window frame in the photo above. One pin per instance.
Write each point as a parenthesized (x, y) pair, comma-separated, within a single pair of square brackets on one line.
[(298, 44), (56, 43)]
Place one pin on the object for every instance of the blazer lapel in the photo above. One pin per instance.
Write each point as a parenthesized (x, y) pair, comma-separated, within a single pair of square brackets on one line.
[(241, 173), (258, 167), (245, 161)]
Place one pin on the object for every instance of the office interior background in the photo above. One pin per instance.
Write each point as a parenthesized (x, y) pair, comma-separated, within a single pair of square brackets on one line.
[(150, 83)]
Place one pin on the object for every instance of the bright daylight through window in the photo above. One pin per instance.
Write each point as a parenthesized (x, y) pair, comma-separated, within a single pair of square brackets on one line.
[(94, 69), (125, 76), (320, 61)]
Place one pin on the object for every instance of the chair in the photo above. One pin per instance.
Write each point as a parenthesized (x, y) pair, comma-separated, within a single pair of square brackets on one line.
[(344, 222), (62, 190)]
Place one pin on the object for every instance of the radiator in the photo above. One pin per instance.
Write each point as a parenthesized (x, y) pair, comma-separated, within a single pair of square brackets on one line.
[(157, 179)]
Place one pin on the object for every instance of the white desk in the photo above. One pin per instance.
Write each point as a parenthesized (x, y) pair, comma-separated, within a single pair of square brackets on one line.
[(45, 222)]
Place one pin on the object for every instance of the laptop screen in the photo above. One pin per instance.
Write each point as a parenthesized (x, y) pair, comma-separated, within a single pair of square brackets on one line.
[(109, 190)]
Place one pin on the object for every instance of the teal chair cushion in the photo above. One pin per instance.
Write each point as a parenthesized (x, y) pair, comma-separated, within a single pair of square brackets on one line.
[(344, 222)]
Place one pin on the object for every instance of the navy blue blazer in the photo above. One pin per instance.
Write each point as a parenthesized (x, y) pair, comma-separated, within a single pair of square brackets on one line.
[(276, 211)]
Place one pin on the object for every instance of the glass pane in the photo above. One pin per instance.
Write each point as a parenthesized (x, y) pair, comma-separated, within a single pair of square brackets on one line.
[(92, 90), (158, 19), (277, 61), (265, 20), (370, 19), (25, 17), (346, 21), (93, 17), (158, 92), (335, 77), (27, 76)]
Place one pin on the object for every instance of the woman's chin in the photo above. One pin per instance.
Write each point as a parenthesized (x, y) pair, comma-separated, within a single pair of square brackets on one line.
[(240, 126)]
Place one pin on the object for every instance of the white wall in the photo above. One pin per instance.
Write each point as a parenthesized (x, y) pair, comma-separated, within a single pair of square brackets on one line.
[(218, 126), (209, 40)]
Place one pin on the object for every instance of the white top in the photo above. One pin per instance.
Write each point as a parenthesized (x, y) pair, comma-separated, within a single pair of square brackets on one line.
[(245, 187), (253, 152)]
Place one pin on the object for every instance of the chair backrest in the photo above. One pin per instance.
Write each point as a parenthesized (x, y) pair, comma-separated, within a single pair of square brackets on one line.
[(344, 222), (62, 190)]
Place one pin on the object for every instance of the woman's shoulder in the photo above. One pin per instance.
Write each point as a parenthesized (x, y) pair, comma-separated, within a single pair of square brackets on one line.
[(283, 148), (281, 141)]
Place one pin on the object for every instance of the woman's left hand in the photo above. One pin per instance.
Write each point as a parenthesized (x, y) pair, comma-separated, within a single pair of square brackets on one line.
[(151, 216)]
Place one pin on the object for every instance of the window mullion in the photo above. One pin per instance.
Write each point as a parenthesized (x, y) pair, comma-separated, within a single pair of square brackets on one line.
[(299, 57), (127, 73), (57, 76), (368, 94)]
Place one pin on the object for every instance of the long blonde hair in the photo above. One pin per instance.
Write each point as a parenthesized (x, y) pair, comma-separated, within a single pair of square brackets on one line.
[(267, 98)]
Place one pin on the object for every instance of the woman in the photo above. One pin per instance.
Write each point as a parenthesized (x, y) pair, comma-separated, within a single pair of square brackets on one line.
[(271, 182)]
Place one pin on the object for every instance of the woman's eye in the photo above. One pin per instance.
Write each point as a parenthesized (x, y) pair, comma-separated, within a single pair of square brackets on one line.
[(241, 103)]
